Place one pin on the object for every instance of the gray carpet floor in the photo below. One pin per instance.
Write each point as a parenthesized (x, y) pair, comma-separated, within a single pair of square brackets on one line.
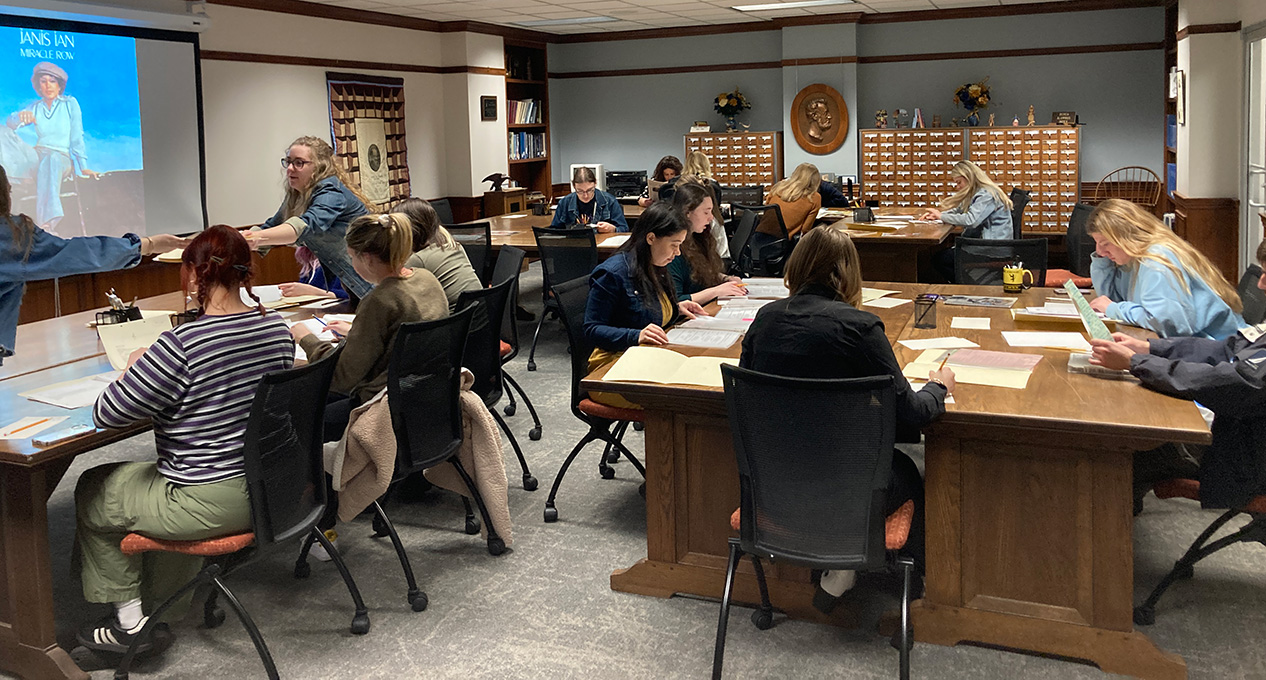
[(545, 608)]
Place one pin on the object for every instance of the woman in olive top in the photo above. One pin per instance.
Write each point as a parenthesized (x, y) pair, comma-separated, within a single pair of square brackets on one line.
[(379, 246), (798, 199), (698, 273), (436, 251)]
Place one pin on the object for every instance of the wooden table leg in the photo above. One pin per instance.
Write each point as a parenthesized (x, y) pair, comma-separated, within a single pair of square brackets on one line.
[(28, 644), (1029, 547)]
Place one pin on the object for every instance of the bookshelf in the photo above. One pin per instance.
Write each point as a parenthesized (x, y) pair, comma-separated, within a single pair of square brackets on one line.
[(527, 115), (1169, 172)]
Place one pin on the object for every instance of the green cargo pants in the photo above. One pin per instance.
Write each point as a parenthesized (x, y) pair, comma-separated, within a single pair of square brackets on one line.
[(115, 500)]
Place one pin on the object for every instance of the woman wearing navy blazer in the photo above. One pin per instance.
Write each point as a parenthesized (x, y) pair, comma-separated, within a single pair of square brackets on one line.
[(589, 206)]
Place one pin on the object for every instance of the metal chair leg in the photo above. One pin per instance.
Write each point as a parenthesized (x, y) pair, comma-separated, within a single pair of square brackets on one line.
[(535, 337), (551, 513), (763, 617), (360, 620), (1145, 614), (529, 482), (251, 629), (208, 573), (472, 522), (496, 545), (535, 433), (612, 457), (907, 632), (718, 652), (417, 599)]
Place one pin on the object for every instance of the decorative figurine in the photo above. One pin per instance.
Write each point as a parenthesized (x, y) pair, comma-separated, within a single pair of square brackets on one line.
[(954, 122), (881, 119), (936, 120), (898, 115), (991, 120), (1015, 122), (1032, 121), (496, 180), (918, 119)]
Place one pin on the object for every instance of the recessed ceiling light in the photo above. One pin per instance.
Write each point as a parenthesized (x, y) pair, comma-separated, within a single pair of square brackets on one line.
[(789, 5), (565, 22)]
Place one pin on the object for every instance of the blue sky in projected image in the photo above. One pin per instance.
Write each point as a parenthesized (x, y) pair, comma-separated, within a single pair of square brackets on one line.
[(102, 78)]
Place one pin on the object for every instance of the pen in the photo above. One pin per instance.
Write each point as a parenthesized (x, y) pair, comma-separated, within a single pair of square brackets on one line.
[(323, 323), (28, 426)]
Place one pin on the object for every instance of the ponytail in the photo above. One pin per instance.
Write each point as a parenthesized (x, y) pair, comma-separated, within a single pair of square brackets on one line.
[(388, 237)]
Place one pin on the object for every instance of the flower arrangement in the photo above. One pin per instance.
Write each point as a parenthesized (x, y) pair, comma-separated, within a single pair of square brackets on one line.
[(973, 96), (730, 104)]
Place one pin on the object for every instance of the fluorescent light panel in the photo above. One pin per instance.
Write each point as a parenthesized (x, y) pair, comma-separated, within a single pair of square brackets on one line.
[(566, 22), (789, 5)]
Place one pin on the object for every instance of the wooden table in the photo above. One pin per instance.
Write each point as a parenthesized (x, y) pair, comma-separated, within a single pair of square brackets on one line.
[(1029, 512), (899, 255), (516, 230), (48, 352)]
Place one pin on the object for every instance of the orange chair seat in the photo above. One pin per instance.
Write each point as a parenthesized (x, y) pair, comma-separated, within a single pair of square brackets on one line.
[(506, 348), (134, 544), (1055, 278), (590, 407), (1190, 488), (896, 526)]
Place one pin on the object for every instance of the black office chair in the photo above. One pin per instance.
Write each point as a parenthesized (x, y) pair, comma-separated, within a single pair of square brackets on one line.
[(753, 194), (1253, 298), (476, 240), (979, 262), (1019, 199), (443, 210), (483, 356), (566, 254), (1080, 245), (813, 489), (509, 266), (740, 242), (285, 478), (572, 296), (768, 253)]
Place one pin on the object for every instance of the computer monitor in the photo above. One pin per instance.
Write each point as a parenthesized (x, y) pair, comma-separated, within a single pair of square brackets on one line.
[(599, 173)]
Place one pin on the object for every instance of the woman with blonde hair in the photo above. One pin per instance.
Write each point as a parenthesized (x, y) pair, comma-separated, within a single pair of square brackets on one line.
[(319, 203), (1147, 276), (798, 199), (978, 205), (697, 169), (820, 331)]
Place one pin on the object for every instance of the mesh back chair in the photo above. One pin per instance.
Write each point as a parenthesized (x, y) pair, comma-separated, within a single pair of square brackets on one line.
[(483, 356), (812, 489), (444, 211), (1080, 247), (740, 242), (566, 254), (746, 195), (768, 253), (979, 262), (476, 240), (1252, 532), (1131, 183), (1019, 199), (509, 266), (285, 479), (1253, 298), (572, 297)]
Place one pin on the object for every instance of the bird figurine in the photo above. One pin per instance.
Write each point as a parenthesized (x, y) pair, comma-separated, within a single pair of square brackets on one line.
[(496, 179)]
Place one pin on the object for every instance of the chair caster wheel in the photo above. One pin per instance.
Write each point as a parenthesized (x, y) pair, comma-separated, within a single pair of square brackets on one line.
[(530, 483), (496, 546), (509, 409), (418, 601), (764, 620), (213, 618), (531, 365), (1144, 616), (606, 471), (535, 434), (895, 641), (303, 570), (1184, 572), (551, 513), (472, 526), (360, 624), (612, 457), (638, 427), (380, 527), (641, 489)]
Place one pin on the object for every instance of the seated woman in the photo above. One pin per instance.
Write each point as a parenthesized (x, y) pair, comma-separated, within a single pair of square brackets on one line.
[(978, 205), (196, 386), (798, 199), (631, 295), (1227, 377), (589, 206), (379, 246), (435, 250), (820, 332), (312, 278), (1147, 276), (698, 273), (667, 169)]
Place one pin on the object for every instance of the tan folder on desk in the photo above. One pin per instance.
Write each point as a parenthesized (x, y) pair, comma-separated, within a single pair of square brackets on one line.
[(664, 366)]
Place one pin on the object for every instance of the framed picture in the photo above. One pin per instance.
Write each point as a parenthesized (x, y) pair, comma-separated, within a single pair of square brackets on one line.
[(1179, 87), (819, 119), (488, 107)]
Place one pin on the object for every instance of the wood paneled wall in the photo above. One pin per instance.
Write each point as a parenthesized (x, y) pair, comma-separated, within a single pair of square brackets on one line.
[(1212, 225)]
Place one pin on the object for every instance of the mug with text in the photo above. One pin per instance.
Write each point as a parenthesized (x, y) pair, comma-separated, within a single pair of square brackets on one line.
[(1013, 278)]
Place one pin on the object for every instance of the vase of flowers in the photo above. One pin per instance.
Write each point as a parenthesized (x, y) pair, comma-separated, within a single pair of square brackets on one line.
[(973, 97), (730, 105)]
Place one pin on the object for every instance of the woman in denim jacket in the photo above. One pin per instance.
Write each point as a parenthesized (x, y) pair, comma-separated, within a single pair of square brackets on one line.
[(589, 206), (320, 202), (978, 205), (28, 253)]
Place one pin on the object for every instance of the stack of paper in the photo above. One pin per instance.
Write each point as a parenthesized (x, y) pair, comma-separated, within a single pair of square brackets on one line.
[(271, 297), (701, 337), (171, 257), (885, 302), (664, 366), (121, 339), (732, 323), (1069, 341), (73, 393), (766, 288), (869, 294), (614, 241), (938, 343), (743, 303), (976, 366)]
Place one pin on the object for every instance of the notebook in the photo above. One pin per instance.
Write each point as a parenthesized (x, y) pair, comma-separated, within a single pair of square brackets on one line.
[(664, 366)]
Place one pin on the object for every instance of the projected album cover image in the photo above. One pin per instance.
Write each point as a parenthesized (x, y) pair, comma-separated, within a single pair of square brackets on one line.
[(71, 138)]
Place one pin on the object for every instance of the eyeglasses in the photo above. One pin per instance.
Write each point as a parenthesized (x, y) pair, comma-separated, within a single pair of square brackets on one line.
[(299, 163), (586, 192)]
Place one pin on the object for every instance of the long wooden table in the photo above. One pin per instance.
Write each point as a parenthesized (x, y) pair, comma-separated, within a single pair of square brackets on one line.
[(899, 255), (48, 352), (1029, 512), (515, 229)]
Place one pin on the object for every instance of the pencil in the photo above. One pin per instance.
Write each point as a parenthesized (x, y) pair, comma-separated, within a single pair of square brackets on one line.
[(41, 421), (947, 356)]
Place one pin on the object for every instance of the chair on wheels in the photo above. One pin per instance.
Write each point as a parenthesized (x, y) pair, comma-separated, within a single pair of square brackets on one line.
[(285, 479), (979, 262), (812, 489), (509, 265), (1253, 298), (483, 356), (1080, 247), (476, 240), (740, 242), (768, 254), (1252, 532), (572, 297), (443, 210), (1019, 199), (566, 254), (1132, 183)]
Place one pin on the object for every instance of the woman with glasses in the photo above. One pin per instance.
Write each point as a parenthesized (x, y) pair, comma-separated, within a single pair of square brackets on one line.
[(319, 203), (589, 206)]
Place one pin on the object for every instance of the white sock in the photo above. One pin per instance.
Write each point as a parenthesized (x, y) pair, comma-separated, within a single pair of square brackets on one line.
[(837, 581), (129, 613)]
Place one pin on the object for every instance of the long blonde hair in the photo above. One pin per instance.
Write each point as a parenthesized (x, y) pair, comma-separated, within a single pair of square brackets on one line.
[(1135, 231), (828, 258), (976, 180), (298, 200), (388, 237), (697, 164), (804, 181)]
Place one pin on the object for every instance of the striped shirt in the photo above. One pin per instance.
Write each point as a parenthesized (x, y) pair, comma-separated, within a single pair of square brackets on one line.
[(197, 383)]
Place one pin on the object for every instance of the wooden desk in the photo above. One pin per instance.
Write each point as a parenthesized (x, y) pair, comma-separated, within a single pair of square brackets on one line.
[(1028, 503), (895, 255), (516, 230)]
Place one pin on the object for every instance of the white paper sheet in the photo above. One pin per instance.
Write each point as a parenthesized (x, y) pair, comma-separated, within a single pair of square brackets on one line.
[(266, 294), (1050, 339), (938, 343), (885, 302), (716, 323), (876, 293), (903, 218), (73, 393), (615, 241), (743, 303), (980, 323), (737, 313), (29, 427), (697, 337), (121, 339), (172, 256), (315, 327)]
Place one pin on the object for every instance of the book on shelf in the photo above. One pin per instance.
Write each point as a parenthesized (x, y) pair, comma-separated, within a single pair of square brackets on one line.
[(524, 111), (527, 145)]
